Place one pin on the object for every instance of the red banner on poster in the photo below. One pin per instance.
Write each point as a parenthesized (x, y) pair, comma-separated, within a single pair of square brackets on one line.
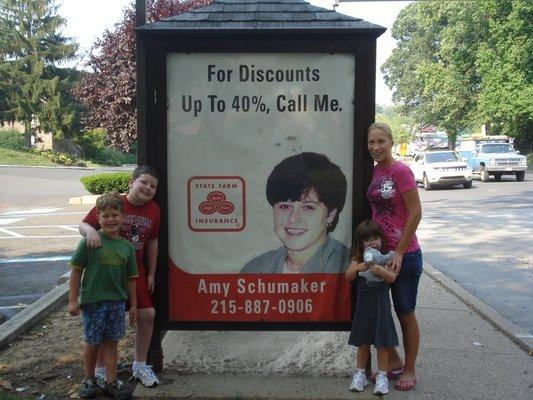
[(258, 297)]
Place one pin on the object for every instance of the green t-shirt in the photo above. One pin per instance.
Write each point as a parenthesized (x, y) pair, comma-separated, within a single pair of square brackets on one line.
[(105, 269)]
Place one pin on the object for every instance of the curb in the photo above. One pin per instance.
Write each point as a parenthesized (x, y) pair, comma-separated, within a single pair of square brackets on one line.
[(512, 331), (89, 199), (24, 320), (44, 167)]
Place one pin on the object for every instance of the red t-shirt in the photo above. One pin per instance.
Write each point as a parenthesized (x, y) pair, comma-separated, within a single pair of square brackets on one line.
[(140, 224)]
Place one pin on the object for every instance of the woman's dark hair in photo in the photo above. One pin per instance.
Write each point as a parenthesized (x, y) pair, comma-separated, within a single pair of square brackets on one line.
[(297, 175), (364, 231)]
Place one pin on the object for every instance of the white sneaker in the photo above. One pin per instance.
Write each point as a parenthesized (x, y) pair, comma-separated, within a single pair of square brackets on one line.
[(145, 375), (358, 382), (382, 384), (99, 375)]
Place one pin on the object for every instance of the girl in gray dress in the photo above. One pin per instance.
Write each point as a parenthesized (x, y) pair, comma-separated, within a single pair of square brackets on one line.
[(372, 322)]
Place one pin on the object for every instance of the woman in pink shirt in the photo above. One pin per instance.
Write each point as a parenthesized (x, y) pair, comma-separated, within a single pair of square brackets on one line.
[(393, 197)]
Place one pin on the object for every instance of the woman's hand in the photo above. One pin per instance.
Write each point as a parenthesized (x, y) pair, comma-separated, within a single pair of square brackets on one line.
[(396, 263)]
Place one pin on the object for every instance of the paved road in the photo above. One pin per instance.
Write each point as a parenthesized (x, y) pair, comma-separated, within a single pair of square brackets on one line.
[(482, 238), (28, 187)]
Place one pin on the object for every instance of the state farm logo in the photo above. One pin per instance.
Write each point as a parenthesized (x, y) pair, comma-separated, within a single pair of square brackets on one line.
[(216, 203)]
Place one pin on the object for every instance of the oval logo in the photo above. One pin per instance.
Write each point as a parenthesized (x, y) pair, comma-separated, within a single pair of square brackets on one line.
[(216, 197), (207, 207), (225, 207)]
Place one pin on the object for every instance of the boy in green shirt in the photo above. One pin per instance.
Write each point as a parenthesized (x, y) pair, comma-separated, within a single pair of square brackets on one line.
[(101, 281)]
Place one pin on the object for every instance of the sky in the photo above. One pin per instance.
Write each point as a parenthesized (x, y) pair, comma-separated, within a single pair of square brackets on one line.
[(87, 20)]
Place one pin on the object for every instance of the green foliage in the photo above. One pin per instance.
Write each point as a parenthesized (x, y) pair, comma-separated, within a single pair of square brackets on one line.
[(102, 183), (459, 64), (58, 158), (22, 157), (110, 156), (91, 142), (93, 145), (11, 139), (30, 48), (401, 123)]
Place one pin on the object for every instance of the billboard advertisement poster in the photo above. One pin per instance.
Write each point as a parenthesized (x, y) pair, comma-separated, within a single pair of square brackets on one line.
[(259, 169)]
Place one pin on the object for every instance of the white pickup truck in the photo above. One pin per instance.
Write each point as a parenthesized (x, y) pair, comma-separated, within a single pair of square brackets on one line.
[(493, 159)]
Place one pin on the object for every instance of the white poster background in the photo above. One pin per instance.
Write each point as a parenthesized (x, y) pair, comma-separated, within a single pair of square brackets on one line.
[(249, 144)]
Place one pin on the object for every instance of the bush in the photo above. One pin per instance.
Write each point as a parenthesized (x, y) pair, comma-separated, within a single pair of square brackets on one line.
[(109, 156), (94, 149), (11, 139), (59, 158), (102, 183)]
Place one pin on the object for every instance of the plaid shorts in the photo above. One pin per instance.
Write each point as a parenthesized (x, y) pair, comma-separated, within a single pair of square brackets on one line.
[(103, 320)]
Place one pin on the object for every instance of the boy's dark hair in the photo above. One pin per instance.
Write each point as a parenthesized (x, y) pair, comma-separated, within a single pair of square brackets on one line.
[(296, 175), (144, 169), (364, 231), (112, 200)]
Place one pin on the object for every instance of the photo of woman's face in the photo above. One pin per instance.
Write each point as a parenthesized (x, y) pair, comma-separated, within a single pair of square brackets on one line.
[(301, 224)]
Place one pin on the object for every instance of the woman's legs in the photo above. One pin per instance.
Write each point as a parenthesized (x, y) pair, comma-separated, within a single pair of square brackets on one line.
[(411, 341)]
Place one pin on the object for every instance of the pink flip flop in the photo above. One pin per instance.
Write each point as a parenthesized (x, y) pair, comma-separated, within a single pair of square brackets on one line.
[(406, 385), (395, 374)]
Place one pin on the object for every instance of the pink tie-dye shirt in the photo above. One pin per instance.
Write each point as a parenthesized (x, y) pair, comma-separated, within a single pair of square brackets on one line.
[(388, 208)]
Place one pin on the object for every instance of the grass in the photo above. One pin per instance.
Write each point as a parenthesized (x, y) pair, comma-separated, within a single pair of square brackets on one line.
[(7, 397), (20, 157)]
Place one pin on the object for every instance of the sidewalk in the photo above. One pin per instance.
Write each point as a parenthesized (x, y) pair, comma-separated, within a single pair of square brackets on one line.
[(467, 351)]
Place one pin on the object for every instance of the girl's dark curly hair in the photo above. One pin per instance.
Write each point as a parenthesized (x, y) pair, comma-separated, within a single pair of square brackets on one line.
[(364, 231)]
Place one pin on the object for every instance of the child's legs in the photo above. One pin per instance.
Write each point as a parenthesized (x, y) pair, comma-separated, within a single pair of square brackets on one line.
[(363, 355), (113, 327), (110, 354), (143, 332), (93, 330), (383, 358), (89, 359)]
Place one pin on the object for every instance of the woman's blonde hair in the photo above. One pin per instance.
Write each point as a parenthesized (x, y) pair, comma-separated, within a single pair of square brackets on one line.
[(382, 126)]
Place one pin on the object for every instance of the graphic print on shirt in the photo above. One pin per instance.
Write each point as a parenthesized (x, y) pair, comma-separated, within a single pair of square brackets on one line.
[(381, 194), (136, 228), (387, 188)]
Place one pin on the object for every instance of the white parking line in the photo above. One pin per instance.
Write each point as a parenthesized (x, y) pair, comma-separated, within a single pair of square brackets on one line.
[(69, 227), (39, 237), (32, 211), (7, 221), (13, 234), (33, 259)]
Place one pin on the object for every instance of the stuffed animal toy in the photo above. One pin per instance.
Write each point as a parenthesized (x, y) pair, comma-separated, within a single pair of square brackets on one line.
[(372, 255)]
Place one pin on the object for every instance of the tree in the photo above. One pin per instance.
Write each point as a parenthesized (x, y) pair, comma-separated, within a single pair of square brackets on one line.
[(109, 92), (458, 64), (30, 48), (401, 123), (504, 64)]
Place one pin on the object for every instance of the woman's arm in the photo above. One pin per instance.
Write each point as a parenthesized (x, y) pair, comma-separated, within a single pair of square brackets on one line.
[(412, 204)]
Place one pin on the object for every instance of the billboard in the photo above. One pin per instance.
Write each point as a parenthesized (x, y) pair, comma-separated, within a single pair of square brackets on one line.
[(259, 169)]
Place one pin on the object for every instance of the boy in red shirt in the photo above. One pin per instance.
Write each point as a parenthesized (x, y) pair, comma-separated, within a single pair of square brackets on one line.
[(140, 226)]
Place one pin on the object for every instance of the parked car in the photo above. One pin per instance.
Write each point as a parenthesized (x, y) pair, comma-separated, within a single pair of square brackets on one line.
[(441, 168), (494, 157)]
